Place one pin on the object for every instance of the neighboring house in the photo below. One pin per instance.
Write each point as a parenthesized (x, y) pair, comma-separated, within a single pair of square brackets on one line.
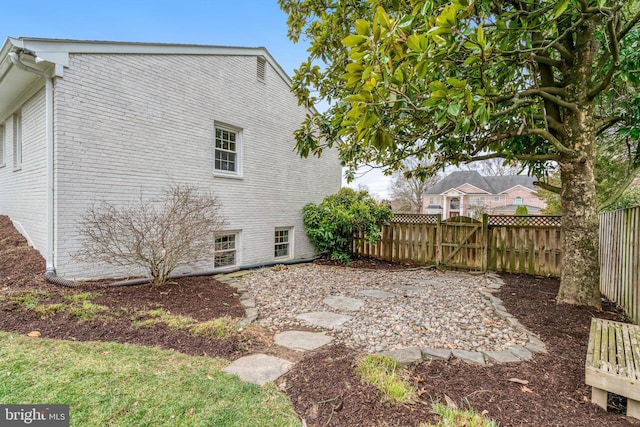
[(84, 121), (469, 193)]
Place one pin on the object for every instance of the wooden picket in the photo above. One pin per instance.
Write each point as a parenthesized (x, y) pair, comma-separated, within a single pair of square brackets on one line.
[(515, 244), (620, 259), (525, 244), (528, 244)]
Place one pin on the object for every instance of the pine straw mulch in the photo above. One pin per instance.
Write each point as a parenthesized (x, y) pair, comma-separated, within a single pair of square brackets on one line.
[(322, 385)]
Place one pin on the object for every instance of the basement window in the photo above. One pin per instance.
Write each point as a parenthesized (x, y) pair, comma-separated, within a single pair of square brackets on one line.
[(282, 243), (225, 250)]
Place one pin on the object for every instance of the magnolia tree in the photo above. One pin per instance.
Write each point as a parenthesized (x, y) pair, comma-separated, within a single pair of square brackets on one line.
[(158, 235), (534, 82)]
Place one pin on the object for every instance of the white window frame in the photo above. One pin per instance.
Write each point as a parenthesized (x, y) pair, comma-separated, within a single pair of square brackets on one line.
[(238, 150), (431, 201), (496, 198), (483, 201), (226, 250), (278, 243), (518, 201), (3, 134), (17, 141)]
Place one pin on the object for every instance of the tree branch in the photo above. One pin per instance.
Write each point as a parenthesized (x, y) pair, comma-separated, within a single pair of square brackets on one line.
[(563, 51), (543, 59), (620, 188), (552, 140), (547, 186), (615, 59), (604, 124), (632, 23)]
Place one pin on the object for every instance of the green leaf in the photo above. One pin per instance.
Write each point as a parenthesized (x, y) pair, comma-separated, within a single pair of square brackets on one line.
[(560, 7), (362, 27), (353, 40), (436, 31), (406, 22), (454, 110), (481, 40), (413, 42), (382, 16), (457, 83)]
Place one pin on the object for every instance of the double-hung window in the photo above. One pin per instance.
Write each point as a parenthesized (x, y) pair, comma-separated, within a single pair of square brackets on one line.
[(227, 151), (225, 250), (17, 141), (282, 243)]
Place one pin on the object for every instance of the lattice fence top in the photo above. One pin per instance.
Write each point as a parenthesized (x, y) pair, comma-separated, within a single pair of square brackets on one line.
[(415, 218), (526, 220)]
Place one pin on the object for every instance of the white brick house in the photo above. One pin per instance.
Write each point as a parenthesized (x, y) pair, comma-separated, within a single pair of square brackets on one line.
[(82, 122)]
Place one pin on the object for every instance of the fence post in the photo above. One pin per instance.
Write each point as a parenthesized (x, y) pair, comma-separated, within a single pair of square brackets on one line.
[(438, 247), (485, 241)]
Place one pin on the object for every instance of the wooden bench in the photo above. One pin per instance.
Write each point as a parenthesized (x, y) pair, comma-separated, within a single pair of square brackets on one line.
[(613, 363)]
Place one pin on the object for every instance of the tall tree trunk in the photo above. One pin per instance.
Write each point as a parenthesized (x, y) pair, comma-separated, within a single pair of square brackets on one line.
[(580, 279)]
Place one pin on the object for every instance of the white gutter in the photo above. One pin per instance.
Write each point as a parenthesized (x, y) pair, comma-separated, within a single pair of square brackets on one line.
[(15, 59)]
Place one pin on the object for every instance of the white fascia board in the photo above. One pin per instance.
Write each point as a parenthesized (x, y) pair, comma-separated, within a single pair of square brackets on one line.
[(518, 185), (57, 51), (480, 190), (453, 192)]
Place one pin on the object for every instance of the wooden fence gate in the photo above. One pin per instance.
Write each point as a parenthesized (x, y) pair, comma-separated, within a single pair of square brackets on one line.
[(526, 244), (462, 243)]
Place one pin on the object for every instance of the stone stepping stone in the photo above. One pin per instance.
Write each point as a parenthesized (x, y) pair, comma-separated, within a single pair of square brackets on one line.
[(376, 293), (405, 356), (259, 368), (469, 356), (408, 288), (343, 303), (436, 353), (303, 341), (324, 319), (504, 356)]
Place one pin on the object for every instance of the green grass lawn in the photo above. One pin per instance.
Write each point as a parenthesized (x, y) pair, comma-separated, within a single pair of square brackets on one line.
[(108, 384)]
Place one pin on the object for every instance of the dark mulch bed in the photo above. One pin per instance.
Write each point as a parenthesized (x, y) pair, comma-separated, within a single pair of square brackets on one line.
[(322, 385), (555, 395)]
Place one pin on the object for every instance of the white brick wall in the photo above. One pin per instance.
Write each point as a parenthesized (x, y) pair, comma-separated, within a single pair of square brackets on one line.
[(127, 124), (23, 192)]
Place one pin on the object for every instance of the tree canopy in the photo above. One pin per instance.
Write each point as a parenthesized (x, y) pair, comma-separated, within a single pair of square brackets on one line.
[(452, 81)]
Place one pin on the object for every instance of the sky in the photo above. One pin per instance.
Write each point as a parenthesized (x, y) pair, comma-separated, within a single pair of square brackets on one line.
[(249, 23)]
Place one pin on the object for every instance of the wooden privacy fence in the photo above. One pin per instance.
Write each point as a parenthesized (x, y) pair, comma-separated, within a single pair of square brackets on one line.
[(620, 259), (518, 244)]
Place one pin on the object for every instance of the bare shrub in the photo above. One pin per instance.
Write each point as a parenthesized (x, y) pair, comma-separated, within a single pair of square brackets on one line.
[(158, 235)]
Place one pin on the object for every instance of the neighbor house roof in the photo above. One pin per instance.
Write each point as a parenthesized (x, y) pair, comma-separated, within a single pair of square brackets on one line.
[(51, 56), (490, 184)]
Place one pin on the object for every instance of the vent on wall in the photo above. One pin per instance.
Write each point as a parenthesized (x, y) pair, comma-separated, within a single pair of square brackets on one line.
[(261, 69)]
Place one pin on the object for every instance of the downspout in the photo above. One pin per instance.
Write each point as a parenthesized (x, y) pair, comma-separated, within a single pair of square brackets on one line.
[(49, 251)]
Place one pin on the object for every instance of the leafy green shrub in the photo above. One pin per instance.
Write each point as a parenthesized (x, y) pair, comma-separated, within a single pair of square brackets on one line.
[(522, 211), (331, 225)]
